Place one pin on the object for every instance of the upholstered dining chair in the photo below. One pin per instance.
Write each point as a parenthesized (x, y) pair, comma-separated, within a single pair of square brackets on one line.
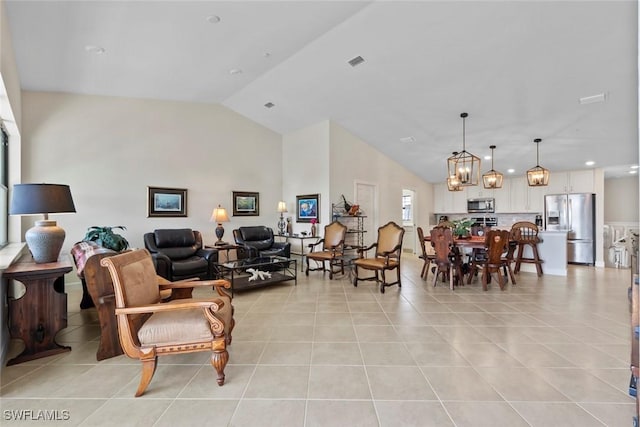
[(149, 328), (388, 249), (426, 256), (448, 260), (331, 251)]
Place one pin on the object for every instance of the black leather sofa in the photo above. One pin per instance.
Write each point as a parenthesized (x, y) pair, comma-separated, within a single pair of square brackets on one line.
[(258, 241), (179, 254)]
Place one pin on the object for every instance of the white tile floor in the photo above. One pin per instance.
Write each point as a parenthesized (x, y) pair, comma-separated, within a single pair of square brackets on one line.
[(550, 351)]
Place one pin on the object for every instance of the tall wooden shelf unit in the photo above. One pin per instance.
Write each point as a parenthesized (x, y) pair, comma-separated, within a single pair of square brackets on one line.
[(354, 224)]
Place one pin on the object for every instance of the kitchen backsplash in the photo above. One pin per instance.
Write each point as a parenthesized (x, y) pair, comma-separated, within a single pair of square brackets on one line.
[(505, 221)]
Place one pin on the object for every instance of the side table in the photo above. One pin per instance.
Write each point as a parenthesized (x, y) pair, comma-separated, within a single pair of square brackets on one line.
[(302, 252), (41, 312)]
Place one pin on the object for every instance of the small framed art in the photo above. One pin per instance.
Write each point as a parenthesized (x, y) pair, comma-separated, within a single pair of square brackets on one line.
[(308, 208), (246, 203), (166, 202)]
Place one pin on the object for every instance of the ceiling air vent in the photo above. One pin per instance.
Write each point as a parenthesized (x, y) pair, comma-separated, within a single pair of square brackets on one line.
[(407, 139), (269, 105), (356, 61)]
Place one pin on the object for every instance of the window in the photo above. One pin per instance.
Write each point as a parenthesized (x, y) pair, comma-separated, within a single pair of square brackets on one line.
[(407, 208), (4, 183)]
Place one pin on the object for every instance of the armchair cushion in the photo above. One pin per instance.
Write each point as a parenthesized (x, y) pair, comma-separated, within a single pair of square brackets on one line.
[(259, 241)]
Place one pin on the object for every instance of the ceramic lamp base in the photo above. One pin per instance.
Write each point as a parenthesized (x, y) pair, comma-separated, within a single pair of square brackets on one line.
[(45, 241)]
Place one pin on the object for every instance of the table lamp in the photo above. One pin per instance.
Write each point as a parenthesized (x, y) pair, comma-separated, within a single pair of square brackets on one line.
[(45, 239), (282, 208), (219, 215)]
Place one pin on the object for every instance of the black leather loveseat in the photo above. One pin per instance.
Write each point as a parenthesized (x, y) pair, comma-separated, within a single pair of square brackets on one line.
[(178, 254), (258, 241)]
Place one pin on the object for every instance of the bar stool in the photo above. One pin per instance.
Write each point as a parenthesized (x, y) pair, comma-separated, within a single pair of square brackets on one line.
[(525, 233)]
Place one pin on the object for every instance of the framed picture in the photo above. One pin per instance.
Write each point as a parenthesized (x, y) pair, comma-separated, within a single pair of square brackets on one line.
[(166, 202), (308, 208), (246, 203)]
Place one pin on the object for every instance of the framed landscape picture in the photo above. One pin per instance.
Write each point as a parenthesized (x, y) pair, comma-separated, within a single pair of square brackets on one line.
[(246, 203), (308, 208), (166, 202)]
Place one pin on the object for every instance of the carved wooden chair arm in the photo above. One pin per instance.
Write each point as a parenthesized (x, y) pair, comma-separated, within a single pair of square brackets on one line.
[(313, 245), (213, 305), (361, 251)]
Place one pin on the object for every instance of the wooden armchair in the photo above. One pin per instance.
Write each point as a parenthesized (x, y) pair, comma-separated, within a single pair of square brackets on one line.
[(388, 249), (332, 249), (149, 328)]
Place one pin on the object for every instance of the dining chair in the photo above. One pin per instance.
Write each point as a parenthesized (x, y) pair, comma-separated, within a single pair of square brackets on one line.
[(448, 260), (426, 256), (497, 243)]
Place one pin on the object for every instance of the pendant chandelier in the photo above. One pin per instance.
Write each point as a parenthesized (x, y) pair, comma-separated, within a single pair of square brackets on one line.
[(492, 179), (538, 176), (453, 183), (464, 166)]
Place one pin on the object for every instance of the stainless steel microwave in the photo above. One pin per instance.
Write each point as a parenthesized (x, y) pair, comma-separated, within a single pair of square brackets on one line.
[(481, 205)]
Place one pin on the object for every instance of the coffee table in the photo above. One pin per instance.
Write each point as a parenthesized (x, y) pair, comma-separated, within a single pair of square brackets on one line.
[(265, 271)]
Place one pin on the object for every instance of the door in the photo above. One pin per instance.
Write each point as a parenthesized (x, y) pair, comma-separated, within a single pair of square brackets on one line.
[(365, 195)]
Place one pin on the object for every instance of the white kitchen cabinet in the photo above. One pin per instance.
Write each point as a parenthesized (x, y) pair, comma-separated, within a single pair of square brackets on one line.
[(536, 199), (479, 192), (445, 201), (502, 196), (518, 192), (578, 181)]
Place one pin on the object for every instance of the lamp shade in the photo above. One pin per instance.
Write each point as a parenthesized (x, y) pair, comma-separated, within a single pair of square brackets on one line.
[(282, 206), (219, 215), (45, 239), (32, 199)]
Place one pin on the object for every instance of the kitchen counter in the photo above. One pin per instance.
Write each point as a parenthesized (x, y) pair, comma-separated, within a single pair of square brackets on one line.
[(552, 250)]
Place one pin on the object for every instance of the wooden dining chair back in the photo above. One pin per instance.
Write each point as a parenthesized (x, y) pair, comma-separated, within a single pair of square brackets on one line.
[(388, 249), (525, 233), (329, 249), (447, 258), (149, 328), (497, 243)]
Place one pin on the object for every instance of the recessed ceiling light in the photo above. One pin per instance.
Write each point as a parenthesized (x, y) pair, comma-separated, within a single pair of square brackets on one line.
[(511, 170), (408, 139), (266, 54), (269, 105), (601, 97), (98, 50), (634, 171), (488, 157), (235, 71), (634, 167), (213, 19), (356, 61), (590, 163)]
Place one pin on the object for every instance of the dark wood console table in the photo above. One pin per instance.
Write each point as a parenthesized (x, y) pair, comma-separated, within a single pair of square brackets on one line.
[(38, 315)]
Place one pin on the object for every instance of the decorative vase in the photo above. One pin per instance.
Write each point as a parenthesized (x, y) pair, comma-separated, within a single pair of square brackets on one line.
[(313, 230)]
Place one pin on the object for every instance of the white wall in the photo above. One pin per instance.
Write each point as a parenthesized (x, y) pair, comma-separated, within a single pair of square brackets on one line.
[(305, 154), (110, 149), (352, 159), (621, 199)]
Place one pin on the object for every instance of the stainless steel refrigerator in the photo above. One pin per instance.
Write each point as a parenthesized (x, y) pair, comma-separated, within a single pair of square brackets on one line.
[(576, 214)]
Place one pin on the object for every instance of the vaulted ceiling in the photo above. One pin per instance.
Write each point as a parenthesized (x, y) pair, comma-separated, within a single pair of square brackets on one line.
[(519, 68)]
